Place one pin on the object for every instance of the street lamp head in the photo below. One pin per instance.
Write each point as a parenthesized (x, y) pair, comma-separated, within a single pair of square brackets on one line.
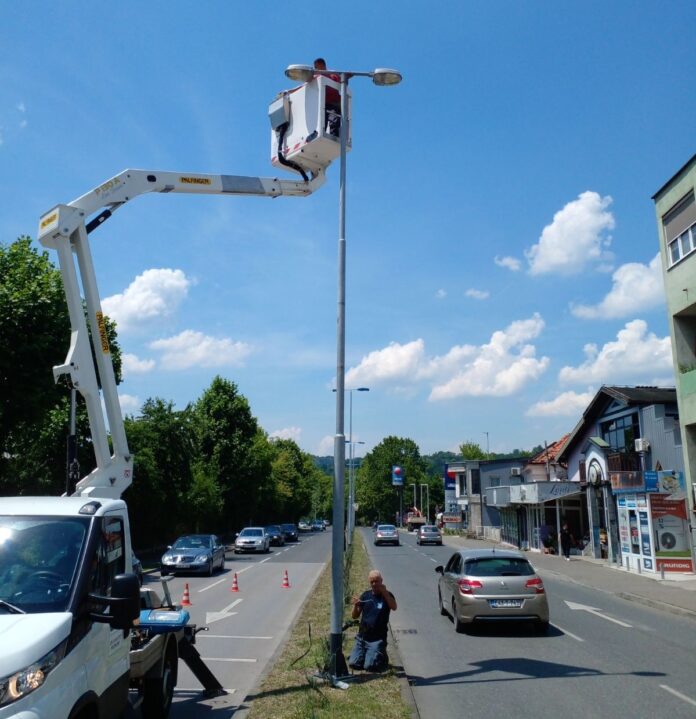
[(299, 73), (386, 76), (362, 389)]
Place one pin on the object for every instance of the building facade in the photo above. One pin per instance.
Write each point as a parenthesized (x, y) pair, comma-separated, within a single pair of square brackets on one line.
[(675, 207)]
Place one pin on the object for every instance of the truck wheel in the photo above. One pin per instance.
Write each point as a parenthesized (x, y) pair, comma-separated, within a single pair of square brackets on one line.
[(159, 691)]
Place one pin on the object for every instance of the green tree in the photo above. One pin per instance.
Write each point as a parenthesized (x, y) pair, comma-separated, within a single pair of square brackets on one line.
[(376, 497), (471, 450), (225, 435)]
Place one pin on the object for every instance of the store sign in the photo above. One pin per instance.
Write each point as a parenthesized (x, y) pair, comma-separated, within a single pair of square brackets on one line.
[(671, 531), (626, 482), (451, 517), (450, 478), (397, 476)]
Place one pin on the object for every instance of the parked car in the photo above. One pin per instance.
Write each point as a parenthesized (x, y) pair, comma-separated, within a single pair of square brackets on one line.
[(327, 522), (275, 534), (387, 534), (137, 568), (304, 526), (318, 526), (252, 539), (194, 553), (429, 534), (290, 532), (491, 585)]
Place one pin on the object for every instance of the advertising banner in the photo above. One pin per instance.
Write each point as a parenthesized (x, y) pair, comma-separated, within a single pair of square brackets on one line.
[(671, 533), (450, 479), (397, 476)]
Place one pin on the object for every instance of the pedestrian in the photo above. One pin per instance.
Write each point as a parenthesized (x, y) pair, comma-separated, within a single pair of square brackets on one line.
[(372, 608), (566, 541)]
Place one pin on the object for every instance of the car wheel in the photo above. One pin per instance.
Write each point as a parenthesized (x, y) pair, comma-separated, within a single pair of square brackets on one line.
[(443, 611), (210, 568), (163, 572), (158, 692), (458, 626), (541, 628)]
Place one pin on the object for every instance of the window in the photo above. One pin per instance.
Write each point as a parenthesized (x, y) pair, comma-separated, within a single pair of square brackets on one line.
[(476, 481), (682, 245), (110, 558), (620, 433)]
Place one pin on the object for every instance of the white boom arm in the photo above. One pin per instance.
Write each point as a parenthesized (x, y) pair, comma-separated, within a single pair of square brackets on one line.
[(65, 229)]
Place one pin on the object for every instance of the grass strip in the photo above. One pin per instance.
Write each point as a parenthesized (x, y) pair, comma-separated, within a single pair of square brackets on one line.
[(290, 690)]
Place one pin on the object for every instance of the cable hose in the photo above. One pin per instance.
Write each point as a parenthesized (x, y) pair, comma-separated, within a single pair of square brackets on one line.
[(281, 159)]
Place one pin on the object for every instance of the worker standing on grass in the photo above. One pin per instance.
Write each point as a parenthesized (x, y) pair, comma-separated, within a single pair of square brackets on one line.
[(372, 608)]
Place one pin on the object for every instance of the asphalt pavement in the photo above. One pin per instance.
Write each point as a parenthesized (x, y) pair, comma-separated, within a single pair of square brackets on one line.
[(675, 593)]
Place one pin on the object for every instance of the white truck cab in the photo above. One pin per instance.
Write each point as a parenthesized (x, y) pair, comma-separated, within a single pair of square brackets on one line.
[(66, 606)]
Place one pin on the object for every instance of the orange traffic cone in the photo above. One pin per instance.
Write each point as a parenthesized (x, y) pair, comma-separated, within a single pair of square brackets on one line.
[(235, 586), (186, 601), (286, 580)]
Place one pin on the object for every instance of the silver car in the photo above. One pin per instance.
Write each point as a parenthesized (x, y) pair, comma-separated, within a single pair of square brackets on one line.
[(429, 534), (491, 585), (252, 539), (386, 534)]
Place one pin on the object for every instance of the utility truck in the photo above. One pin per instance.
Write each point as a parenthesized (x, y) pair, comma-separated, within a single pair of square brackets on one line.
[(78, 639)]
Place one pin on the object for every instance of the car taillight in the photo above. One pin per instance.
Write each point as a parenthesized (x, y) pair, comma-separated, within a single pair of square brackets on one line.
[(536, 584), (467, 586)]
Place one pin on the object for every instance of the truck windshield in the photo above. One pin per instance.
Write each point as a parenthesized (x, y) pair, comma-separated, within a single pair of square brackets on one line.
[(38, 561)]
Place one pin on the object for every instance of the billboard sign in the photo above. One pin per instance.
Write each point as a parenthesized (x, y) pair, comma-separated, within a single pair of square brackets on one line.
[(397, 476)]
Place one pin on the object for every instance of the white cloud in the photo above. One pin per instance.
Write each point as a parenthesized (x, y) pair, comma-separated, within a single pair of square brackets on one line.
[(477, 294), (511, 263), (636, 287), (21, 107), (576, 237), (129, 403), (499, 368), (132, 364), (567, 404), (154, 294), (326, 446), (635, 355), (194, 349), (441, 294), (292, 433)]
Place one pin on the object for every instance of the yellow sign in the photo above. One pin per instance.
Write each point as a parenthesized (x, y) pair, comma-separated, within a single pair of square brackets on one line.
[(102, 333), (195, 180), (49, 220)]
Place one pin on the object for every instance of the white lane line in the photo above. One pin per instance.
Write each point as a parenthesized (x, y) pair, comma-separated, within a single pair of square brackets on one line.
[(570, 634), (227, 659), (195, 690), (214, 584), (265, 560), (205, 635), (432, 560), (681, 696)]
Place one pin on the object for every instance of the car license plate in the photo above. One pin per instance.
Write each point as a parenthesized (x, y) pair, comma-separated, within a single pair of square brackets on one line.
[(183, 565), (504, 603)]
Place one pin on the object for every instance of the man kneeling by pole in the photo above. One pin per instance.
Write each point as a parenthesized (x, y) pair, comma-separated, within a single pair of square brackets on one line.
[(372, 608)]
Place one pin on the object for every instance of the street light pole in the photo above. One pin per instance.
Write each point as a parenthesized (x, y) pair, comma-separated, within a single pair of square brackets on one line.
[(380, 76)]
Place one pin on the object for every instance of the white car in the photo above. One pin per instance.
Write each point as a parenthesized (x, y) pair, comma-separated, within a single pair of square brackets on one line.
[(252, 539)]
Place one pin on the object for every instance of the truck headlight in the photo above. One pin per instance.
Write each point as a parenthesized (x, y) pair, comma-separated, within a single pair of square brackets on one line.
[(25, 681)]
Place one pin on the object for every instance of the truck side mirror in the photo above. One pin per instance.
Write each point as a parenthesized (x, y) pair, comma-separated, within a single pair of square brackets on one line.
[(124, 602)]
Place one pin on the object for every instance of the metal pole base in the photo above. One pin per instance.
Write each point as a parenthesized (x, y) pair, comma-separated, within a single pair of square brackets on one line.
[(337, 662)]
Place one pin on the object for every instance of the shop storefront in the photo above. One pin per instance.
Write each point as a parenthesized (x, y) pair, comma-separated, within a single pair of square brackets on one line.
[(653, 521)]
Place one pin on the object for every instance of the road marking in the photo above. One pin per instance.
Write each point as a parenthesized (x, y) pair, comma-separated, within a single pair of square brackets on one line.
[(265, 560), (570, 634), (681, 696), (210, 586), (432, 560), (597, 613), (211, 617), (226, 659), (205, 635)]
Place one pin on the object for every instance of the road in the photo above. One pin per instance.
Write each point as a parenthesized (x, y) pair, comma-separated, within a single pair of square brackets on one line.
[(245, 627), (604, 656)]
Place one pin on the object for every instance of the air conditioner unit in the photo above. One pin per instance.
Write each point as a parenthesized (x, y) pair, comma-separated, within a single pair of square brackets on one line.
[(515, 471), (642, 445)]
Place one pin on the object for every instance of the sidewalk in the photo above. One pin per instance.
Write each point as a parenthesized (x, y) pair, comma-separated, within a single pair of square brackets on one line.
[(673, 594)]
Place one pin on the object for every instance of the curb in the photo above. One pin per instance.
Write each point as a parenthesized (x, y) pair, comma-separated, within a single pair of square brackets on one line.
[(405, 685), (655, 604)]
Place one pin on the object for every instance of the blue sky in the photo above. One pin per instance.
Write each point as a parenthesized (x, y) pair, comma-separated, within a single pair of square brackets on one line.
[(502, 251)]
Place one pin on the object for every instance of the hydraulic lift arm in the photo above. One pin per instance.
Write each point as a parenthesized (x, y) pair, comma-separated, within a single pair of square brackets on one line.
[(65, 229)]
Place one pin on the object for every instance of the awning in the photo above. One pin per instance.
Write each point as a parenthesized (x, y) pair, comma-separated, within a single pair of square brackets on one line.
[(543, 492)]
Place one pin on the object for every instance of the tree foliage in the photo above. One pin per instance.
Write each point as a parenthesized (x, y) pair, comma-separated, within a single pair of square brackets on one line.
[(471, 450)]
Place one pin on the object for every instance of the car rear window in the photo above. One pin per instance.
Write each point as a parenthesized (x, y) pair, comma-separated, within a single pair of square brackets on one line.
[(498, 567), (386, 527)]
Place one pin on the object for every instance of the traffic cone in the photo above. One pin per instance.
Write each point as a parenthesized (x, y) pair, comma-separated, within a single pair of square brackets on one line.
[(186, 601), (235, 586), (286, 580)]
